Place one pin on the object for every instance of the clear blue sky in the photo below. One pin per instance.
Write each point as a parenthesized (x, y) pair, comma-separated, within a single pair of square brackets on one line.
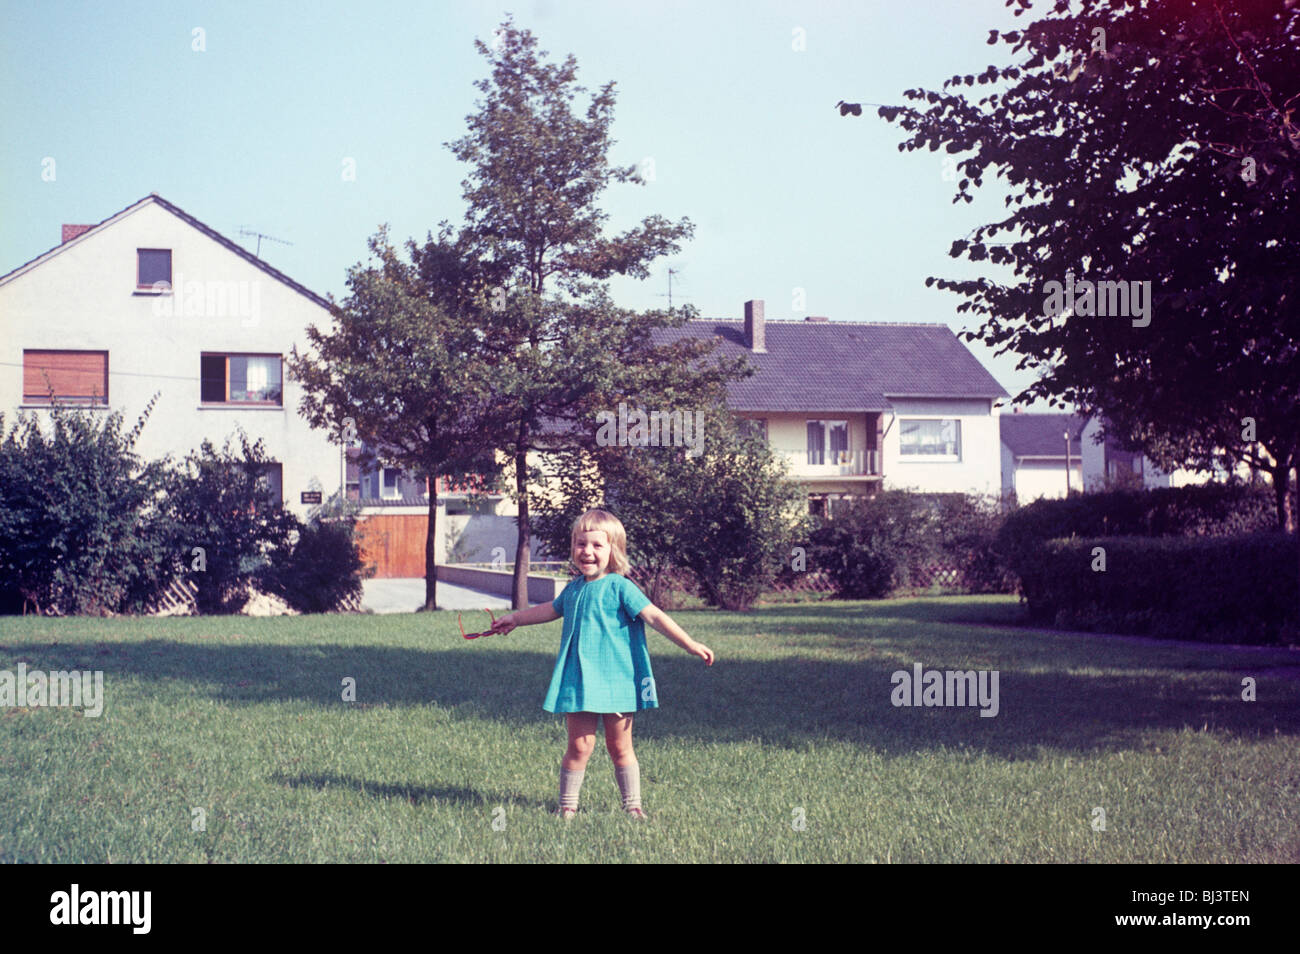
[(739, 124)]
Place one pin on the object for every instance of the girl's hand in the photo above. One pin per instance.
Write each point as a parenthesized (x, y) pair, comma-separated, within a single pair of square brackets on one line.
[(704, 652), (504, 625)]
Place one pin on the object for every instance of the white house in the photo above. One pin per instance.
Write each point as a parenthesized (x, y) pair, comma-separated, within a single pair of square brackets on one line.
[(1035, 455), (151, 300), (857, 406)]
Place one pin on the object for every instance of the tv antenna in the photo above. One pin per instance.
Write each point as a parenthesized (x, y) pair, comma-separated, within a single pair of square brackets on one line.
[(669, 296), (244, 230)]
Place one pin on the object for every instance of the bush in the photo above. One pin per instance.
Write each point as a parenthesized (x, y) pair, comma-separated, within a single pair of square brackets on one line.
[(324, 567), (1209, 510), (1241, 588), (81, 531), (725, 517), (884, 543), (222, 508)]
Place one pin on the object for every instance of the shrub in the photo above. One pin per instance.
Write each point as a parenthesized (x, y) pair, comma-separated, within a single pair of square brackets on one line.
[(1209, 510), (324, 567), (726, 516), (221, 506), (1240, 588), (81, 531), (883, 543)]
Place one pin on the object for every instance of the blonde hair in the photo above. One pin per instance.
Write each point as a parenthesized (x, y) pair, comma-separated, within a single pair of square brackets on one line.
[(603, 520)]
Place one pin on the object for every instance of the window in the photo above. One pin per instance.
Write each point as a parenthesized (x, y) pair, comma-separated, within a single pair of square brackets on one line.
[(388, 482), (828, 442), (753, 426), (931, 439), (79, 377), (153, 265), (240, 379), (270, 482)]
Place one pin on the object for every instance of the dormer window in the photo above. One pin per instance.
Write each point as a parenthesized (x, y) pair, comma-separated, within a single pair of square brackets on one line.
[(153, 267), (389, 489)]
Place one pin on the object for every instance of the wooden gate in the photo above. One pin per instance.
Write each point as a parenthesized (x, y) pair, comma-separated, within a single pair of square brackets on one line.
[(394, 544)]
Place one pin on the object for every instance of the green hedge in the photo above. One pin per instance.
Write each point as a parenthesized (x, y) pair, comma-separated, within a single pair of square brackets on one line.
[(1209, 510), (1241, 589)]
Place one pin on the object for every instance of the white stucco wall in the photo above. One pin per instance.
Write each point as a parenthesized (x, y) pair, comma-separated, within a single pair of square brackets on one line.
[(977, 470), (1035, 479), (85, 297), (1094, 456)]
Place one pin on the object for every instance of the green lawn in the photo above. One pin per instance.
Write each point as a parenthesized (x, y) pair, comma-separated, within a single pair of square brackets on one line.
[(244, 719)]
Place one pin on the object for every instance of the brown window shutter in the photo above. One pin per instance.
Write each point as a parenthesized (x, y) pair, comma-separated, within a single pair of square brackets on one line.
[(74, 376)]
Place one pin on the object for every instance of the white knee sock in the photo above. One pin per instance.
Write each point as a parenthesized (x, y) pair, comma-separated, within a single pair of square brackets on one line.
[(570, 783), (629, 783)]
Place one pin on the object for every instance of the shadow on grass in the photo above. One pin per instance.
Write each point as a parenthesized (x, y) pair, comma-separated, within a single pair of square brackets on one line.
[(988, 610), (791, 700), (415, 794)]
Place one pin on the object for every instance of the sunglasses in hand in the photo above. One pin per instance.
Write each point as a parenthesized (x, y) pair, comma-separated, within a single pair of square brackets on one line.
[(487, 632)]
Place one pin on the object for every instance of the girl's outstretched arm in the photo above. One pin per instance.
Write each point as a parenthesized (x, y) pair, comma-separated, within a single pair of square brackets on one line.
[(541, 613), (665, 624)]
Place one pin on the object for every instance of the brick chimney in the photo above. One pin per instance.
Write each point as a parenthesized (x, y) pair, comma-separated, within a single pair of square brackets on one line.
[(755, 328), (72, 231)]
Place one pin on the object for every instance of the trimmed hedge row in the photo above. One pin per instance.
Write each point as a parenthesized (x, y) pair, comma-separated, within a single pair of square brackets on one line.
[(1240, 589), (1208, 510)]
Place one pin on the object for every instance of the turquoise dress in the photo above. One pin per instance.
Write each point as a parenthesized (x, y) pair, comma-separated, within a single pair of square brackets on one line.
[(603, 665)]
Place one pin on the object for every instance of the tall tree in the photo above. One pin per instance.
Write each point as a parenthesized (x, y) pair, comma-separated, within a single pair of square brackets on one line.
[(530, 262), (402, 374), (1154, 145)]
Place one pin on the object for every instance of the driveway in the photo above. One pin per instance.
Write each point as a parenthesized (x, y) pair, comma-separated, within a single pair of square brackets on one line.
[(407, 596)]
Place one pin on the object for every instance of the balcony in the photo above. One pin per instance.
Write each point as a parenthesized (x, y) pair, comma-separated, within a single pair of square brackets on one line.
[(852, 463)]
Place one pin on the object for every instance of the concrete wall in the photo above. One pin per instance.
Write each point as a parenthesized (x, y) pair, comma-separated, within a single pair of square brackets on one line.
[(541, 589)]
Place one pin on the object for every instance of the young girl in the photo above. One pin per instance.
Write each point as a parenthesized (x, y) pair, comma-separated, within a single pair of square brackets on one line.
[(603, 668)]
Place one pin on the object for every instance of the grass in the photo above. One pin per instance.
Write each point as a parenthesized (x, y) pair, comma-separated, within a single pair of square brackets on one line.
[(243, 718)]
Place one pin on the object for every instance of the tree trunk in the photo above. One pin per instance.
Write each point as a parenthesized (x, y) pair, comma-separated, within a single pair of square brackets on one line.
[(431, 549), (1292, 517), (520, 598), (1281, 475), (1294, 528)]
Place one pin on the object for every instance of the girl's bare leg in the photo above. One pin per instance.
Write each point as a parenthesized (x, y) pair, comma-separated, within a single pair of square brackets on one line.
[(618, 739), (582, 740)]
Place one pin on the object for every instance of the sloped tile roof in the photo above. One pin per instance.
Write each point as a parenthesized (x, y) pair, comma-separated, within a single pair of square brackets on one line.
[(1042, 435), (843, 366), (184, 216)]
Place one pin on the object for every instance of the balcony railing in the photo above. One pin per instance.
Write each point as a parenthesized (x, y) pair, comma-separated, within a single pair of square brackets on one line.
[(852, 463)]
